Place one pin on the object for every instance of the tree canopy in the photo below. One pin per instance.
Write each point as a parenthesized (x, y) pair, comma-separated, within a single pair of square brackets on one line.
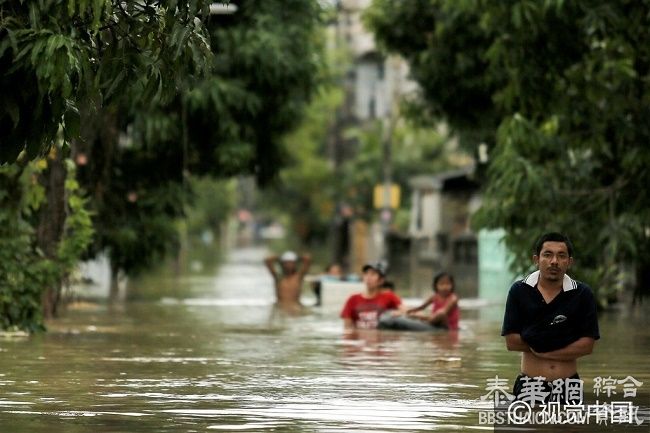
[(61, 65), (140, 96), (566, 90), (229, 121), (445, 47), (57, 58)]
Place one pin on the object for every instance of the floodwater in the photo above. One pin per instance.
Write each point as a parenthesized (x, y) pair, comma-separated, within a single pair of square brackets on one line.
[(214, 355)]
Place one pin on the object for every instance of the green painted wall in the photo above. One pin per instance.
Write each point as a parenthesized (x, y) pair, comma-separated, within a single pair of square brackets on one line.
[(494, 275)]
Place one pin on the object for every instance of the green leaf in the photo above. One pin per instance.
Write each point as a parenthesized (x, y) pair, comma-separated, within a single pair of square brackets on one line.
[(72, 124)]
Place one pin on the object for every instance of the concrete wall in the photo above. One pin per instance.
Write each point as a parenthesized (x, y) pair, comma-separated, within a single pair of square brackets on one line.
[(495, 277), (335, 293)]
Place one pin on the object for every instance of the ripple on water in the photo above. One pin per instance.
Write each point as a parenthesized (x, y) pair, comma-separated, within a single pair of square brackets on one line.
[(374, 414), (77, 413)]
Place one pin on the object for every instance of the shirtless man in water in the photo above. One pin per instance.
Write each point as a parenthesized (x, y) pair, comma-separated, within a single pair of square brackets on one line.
[(550, 317), (288, 284)]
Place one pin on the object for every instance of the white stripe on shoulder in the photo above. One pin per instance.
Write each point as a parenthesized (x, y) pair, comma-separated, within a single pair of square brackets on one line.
[(569, 283), (532, 279)]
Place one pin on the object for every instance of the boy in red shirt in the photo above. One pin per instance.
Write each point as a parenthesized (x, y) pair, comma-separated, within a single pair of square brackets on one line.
[(362, 310)]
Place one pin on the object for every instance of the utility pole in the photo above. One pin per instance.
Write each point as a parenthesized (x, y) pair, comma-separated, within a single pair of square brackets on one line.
[(387, 174), (387, 162)]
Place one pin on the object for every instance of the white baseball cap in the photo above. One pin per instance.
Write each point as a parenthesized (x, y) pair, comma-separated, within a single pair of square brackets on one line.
[(289, 256)]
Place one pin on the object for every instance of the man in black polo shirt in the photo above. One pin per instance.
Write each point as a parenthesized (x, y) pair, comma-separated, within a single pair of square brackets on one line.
[(551, 318)]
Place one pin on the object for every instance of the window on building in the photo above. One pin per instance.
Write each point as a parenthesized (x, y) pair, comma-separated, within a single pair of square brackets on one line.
[(465, 251), (380, 70)]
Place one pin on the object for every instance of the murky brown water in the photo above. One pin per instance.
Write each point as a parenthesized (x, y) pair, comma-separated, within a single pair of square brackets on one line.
[(213, 355)]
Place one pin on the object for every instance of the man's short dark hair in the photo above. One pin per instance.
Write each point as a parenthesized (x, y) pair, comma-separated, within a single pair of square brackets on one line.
[(553, 237), (379, 267)]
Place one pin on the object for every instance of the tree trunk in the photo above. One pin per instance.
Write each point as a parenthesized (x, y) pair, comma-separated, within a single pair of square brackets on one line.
[(642, 287), (51, 223), (114, 290)]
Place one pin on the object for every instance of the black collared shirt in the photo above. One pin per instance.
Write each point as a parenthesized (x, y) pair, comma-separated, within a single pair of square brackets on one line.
[(546, 327)]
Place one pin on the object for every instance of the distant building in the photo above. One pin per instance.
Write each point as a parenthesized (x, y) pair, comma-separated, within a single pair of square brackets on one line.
[(440, 232), (373, 80), (440, 236), (372, 83)]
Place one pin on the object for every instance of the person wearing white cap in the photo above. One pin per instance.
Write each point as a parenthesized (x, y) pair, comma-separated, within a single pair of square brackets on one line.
[(288, 282)]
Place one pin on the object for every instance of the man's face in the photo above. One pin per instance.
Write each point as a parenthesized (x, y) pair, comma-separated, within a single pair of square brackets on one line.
[(372, 279), (288, 267), (335, 270), (553, 260)]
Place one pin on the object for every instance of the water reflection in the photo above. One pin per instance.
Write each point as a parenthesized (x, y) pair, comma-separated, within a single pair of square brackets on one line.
[(214, 354)]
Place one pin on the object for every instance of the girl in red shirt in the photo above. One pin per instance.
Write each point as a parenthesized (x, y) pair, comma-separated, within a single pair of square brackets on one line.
[(445, 312)]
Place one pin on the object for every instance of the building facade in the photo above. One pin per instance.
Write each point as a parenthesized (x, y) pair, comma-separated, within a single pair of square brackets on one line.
[(440, 232)]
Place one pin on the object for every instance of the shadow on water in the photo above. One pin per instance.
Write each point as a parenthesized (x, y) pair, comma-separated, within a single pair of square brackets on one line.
[(213, 354)]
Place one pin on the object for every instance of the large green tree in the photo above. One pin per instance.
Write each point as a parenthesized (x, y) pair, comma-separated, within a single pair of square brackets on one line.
[(228, 121), (567, 85), (445, 47), (59, 58), (61, 63), (27, 271)]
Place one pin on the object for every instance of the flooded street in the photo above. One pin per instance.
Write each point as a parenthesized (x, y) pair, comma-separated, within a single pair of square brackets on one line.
[(214, 355)]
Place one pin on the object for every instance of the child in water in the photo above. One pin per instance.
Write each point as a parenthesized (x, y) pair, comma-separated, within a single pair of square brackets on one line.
[(387, 286), (445, 312)]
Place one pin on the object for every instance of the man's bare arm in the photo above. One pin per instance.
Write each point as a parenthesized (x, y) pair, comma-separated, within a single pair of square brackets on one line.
[(348, 324), (270, 265), (515, 343), (421, 307), (581, 347), (306, 263), (401, 310)]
